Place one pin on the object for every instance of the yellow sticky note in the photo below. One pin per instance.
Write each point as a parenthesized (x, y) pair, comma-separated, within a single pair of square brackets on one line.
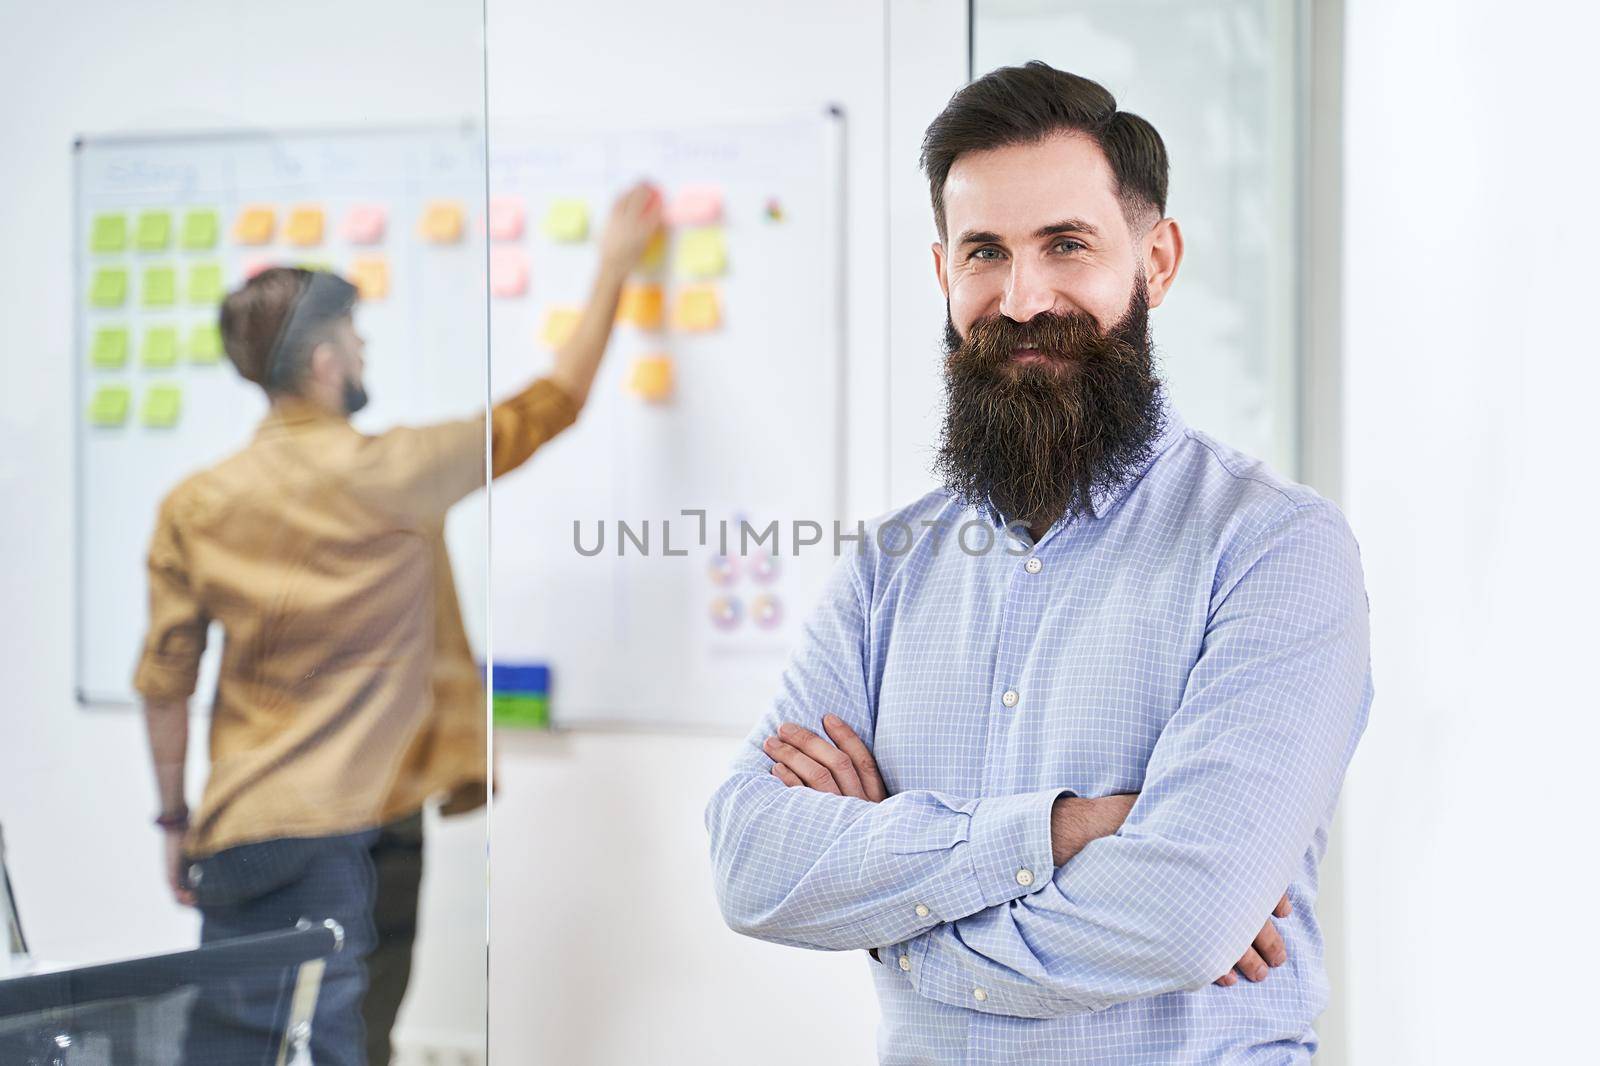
[(160, 347), (205, 283), (159, 287), (371, 276), (702, 253), (443, 222), (108, 233), (304, 227), (199, 230), (153, 232), (650, 378), (642, 306), (109, 406), (161, 406), (109, 350), (109, 287), (255, 225), (205, 344), (559, 324), (567, 220), (696, 310), (655, 253)]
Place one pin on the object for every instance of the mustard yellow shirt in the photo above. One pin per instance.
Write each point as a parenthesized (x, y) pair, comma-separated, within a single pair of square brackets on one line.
[(348, 695)]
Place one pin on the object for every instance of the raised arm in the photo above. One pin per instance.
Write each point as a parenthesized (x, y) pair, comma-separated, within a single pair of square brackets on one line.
[(1236, 787), (819, 870)]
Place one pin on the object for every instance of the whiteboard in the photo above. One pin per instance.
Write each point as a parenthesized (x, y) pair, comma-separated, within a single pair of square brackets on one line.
[(753, 429), (426, 357)]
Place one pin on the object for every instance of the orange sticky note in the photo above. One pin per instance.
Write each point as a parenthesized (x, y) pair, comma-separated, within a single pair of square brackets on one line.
[(696, 310), (507, 216), (443, 222), (650, 378), (642, 306), (371, 276), (364, 224), (508, 271), (559, 324), (695, 205), (254, 225), (304, 227)]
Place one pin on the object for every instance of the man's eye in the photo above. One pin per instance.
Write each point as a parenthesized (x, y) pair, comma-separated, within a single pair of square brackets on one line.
[(1067, 244), (986, 253)]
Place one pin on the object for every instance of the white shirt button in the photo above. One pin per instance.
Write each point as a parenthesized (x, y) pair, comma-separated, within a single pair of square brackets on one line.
[(979, 994), (1024, 877), (1010, 697), (905, 962), (1033, 565), (922, 910)]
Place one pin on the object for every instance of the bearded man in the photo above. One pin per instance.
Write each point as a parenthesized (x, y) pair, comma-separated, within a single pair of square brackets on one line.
[(1059, 735)]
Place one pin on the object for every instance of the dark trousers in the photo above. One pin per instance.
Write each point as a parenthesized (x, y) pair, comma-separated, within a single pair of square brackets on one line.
[(397, 864), (267, 887), (368, 883)]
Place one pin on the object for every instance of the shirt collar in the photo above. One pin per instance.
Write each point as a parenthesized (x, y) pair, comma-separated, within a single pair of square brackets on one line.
[(1172, 429), (292, 412)]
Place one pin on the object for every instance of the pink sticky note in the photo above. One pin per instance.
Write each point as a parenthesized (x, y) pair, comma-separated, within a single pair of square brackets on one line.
[(364, 224), (256, 266), (695, 205), (506, 217), (508, 271)]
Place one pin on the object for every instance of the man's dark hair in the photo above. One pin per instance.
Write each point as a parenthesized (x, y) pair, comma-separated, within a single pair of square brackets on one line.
[(271, 323), (1022, 105)]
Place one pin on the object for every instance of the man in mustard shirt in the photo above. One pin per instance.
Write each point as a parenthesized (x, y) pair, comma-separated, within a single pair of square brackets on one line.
[(348, 695)]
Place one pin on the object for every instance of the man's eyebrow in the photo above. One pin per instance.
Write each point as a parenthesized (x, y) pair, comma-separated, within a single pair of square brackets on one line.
[(981, 236), (1066, 225)]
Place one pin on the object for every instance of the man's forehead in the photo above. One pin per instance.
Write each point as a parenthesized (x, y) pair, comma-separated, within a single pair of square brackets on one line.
[(1016, 189)]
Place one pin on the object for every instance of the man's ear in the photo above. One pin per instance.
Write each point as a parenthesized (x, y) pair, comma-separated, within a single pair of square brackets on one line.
[(939, 269), (323, 365), (1163, 247)]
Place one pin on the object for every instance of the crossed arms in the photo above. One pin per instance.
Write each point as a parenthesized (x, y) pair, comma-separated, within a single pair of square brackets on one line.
[(969, 888)]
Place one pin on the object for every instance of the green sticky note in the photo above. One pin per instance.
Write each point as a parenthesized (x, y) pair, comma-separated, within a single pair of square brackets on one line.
[(702, 253), (205, 344), (161, 405), (109, 406), (154, 231), (517, 709), (160, 347), (199, 230), (109, 288), (160, 286), (205, 283), (109, 350), (567, 220), (108, 233)]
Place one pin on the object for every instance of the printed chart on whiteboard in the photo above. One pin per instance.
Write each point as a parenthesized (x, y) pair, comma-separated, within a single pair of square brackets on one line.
[(721, 396)]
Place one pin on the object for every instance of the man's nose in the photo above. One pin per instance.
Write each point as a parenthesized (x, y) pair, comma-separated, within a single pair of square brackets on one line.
[(1026, 293)]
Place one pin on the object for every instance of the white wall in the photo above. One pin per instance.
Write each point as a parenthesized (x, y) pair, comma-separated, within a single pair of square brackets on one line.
[(76, 793), (1470, 386)]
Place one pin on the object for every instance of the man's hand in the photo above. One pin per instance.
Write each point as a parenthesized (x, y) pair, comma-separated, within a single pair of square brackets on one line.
[(635, 220), (1267, 951), (175, 862), (845, 767)]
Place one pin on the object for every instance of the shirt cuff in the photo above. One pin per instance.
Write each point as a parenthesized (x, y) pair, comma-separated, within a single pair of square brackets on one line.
[(1009, 844)]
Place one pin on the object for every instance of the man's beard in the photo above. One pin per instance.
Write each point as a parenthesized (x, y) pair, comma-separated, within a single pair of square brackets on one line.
[(355, 396), (1036, 441)]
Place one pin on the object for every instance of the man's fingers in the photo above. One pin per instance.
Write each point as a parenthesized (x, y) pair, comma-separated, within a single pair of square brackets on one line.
[(812, 773), (1269, 945), (1284, 908), (853, 746), (786, 775), (1226, 979), (837, 762), (1252, 965)]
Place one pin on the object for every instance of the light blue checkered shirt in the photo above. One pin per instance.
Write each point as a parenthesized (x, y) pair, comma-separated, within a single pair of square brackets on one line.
[(1203, 642)]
